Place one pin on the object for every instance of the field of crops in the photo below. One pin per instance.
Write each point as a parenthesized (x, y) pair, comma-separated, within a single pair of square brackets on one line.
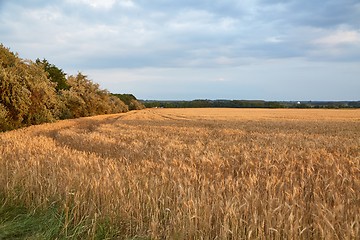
[(190, 174)]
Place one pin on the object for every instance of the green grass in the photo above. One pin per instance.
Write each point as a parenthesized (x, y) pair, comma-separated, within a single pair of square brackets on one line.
[(19, 222)]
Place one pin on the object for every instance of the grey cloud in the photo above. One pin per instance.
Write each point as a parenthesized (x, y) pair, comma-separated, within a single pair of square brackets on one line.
[(322, 14), (32, 4), (327, 14), (224, 7), (175, 34)]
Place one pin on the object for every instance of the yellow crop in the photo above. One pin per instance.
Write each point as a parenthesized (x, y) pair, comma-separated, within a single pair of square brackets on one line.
[(194, 173)]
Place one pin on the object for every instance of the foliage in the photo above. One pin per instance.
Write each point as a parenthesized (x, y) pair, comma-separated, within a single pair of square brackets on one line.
[(38, 92), (7, 58), (85, 98), (4, 121), (55, 74), (19, 222), (26, 93), (249, 104), (205, 103), (131, 101)]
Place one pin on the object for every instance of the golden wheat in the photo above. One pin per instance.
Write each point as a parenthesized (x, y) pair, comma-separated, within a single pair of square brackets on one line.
[(194, 173)]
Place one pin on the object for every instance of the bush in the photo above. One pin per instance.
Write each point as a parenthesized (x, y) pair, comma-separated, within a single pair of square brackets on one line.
[(130, 100), (4, 121), (85, 98), (38, 92)]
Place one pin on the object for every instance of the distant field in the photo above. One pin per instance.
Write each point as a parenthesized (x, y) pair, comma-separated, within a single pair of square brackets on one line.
[(188, 174)]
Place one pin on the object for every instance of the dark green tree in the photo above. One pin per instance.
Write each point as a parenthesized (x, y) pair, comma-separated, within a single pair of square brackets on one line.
[(55, 74), (131, 101)]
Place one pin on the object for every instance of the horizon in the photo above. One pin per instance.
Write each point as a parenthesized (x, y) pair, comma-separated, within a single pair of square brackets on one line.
[(203, 99), (307, 51)]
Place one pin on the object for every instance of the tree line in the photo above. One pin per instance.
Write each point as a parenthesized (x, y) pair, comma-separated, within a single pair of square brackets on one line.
[(205, 103), (35, 92)]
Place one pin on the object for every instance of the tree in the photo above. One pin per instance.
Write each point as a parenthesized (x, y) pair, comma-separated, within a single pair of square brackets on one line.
[(85, 98), (38, 92), (131, 101), (43, 98), (27, 94), (7, 58), (55, 74), (4, 121)]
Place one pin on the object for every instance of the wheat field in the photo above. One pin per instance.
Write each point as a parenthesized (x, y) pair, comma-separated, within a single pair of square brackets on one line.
[(192, 173)]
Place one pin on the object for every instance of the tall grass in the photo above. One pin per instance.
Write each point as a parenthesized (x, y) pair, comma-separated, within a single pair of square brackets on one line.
[(191, 174)]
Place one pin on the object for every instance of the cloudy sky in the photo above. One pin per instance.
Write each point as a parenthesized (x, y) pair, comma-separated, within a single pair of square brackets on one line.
[(192, 49)]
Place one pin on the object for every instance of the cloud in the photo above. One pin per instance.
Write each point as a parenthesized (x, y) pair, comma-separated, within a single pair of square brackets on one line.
[(221, 79), (101, 5), (340, 44), (339, 37), (318, 14), (274, 39), (220, 35), (201, 34)]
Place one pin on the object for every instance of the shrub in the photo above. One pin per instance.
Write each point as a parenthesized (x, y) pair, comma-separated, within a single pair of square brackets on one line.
[(38, 92)]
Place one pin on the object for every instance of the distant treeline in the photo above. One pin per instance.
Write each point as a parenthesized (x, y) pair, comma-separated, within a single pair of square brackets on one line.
[(249, 104), (130, 100), (34, 92)]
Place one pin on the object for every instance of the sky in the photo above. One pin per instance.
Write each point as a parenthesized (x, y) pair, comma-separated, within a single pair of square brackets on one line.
[(196, 49)]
